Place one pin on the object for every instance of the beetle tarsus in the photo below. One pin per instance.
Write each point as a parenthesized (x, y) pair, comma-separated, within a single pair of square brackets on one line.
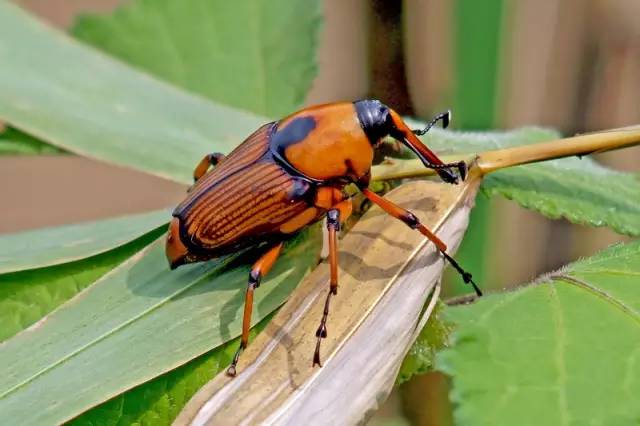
[(444, 170), (466, 276), (316, 355), (444, 116), (322, 331), (462, 170), (231, 371)]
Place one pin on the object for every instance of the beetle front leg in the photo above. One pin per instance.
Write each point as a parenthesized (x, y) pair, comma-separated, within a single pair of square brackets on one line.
[(209, 160), (412, 221), (259, 270)]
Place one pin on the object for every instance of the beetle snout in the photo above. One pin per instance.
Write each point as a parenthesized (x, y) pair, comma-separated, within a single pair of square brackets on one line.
[(176, 251)]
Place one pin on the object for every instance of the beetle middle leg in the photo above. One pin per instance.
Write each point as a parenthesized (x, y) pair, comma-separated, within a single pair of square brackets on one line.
[(340, 212), (412, 221), (209, 160), (259, 270)]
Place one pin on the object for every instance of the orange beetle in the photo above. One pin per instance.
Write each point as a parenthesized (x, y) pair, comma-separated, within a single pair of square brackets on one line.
[(287, 175)]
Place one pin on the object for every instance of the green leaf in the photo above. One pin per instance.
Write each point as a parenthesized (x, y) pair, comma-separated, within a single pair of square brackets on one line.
[(27, 296), (562, 351), (137, 322), (63, 244), (14, 142), (432, 338), (76, 98), (579, 190), (248, 54), (160, 400)]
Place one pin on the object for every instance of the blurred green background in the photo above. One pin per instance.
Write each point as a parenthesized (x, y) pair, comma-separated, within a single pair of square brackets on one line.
[(568, 64)]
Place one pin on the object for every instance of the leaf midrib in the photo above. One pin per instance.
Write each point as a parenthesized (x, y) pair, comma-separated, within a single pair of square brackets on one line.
[(559, 355)]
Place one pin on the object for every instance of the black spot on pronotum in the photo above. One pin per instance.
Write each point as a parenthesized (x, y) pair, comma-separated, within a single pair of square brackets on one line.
[(295, 131), (374, 118)]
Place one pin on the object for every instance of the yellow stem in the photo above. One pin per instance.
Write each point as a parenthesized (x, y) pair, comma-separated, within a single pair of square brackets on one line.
[(491, 161), (577, 145)]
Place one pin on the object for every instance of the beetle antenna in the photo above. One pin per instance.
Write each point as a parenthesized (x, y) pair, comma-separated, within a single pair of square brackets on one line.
[(444, 116)]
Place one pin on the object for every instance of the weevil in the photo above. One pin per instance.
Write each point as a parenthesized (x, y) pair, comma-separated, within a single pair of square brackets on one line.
[(287, 175)]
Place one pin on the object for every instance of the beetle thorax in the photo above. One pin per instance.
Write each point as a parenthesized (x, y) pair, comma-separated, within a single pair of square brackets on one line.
[(325, 143)]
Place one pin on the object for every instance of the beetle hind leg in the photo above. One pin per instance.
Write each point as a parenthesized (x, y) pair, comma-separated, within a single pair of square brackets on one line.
[(412, 221), (259, 270), (209, 160)]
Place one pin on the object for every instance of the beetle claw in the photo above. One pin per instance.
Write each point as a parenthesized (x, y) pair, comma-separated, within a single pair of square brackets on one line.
[(462, 170), (231, 371)]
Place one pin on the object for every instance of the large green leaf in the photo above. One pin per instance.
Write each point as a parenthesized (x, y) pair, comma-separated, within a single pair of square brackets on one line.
[(43, 268), (577, 189), (252, 54), (137, 322), (27, 296), (562, 351), (160, 400), (74, 97), (62, 244)]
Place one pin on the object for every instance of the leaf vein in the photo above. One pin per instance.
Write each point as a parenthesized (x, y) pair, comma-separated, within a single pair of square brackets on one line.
[(560, 357), (599, 293)]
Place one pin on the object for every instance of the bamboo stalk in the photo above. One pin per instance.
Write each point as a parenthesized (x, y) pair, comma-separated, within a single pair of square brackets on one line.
[(491, 161)]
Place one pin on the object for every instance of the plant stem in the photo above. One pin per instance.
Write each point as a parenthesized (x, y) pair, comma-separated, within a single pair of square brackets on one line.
[(586, 144), (491, 161)]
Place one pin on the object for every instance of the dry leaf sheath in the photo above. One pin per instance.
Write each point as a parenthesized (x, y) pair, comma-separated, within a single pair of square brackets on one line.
[(386, 274)]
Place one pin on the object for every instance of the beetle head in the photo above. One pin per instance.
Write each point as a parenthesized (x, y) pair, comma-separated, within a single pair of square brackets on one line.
[(375, 119), (378, 121)]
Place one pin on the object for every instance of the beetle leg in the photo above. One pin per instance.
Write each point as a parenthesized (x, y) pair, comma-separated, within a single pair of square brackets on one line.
[(414, 223), (428, 157), (333, 226), (259, 270), (209, 160)]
